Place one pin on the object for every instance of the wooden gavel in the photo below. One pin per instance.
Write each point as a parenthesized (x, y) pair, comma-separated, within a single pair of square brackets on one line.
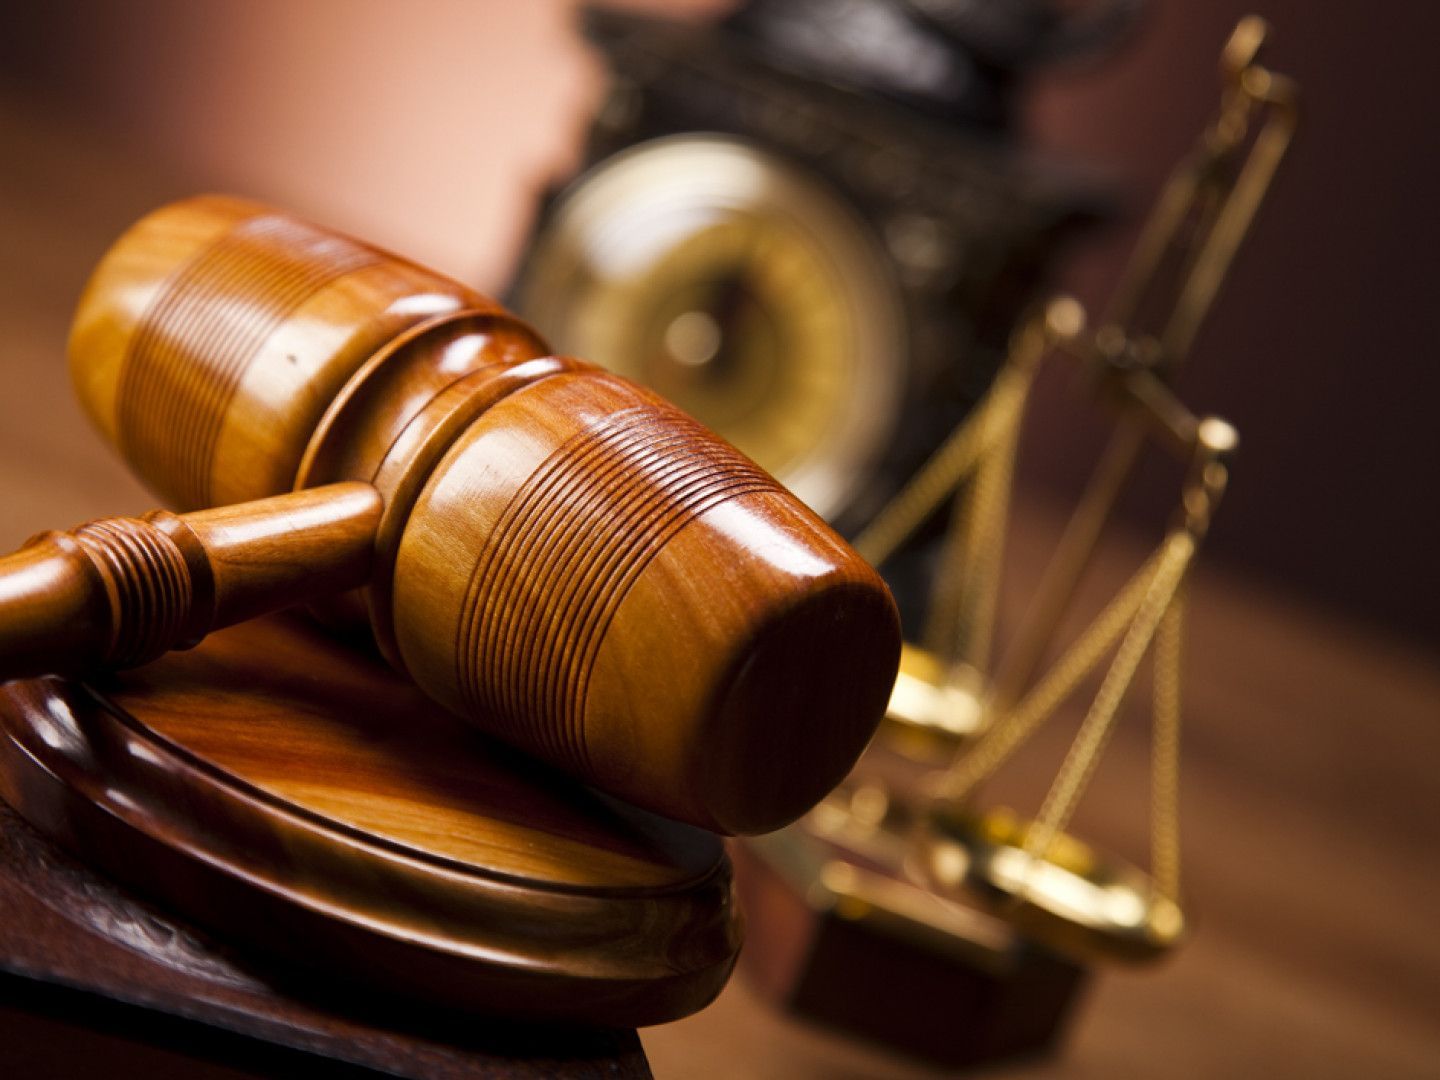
[(548, 550)]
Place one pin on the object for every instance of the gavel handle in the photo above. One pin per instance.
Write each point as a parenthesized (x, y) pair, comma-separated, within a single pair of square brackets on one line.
[(119, 592)]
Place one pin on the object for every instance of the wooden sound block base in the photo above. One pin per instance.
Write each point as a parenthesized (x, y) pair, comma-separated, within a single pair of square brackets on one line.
[(294, 795), (95, 981)]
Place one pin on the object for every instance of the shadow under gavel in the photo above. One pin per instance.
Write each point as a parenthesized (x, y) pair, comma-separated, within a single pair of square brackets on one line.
[(548, 550)]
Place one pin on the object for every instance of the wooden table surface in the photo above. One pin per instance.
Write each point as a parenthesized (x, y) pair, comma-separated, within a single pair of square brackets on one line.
[(1310, 821), (1310, 833)]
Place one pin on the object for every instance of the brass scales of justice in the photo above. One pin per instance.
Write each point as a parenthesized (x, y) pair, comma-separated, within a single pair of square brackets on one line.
[(956, 903)]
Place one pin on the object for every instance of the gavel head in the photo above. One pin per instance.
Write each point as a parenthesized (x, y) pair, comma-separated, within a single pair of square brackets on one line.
[(563, 557)]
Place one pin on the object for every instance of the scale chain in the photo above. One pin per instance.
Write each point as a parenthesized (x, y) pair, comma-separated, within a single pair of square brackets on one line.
[(959, 456), (962, 617), (1007, 733), (1165, 751), (1099, 723)]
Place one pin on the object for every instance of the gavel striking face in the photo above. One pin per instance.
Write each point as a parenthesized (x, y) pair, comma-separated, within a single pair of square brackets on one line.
[(546, 549)]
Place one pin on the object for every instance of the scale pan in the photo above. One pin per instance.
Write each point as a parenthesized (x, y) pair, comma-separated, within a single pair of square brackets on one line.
[(1076, 901)]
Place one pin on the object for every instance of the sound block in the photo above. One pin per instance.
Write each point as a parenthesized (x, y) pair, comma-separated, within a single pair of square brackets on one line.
[(295, 796)]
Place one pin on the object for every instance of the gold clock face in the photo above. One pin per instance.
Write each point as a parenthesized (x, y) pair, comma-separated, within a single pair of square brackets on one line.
[(742, 290)]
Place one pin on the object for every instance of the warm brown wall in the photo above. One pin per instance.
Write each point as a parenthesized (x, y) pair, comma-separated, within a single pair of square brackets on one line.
[(429, 127), (424, 126)]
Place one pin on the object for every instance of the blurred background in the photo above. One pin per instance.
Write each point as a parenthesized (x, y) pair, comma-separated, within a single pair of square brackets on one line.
[(435, 127)]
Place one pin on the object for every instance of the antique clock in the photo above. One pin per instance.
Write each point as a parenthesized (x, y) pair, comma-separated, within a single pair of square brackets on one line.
[(805, 225)]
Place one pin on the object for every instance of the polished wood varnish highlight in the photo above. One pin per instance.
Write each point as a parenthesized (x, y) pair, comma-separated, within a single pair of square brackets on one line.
[(548, 550)]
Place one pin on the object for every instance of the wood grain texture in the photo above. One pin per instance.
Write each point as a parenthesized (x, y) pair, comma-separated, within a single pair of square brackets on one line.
[(195, 342), (216, 332), (315, 805), (561, 555)]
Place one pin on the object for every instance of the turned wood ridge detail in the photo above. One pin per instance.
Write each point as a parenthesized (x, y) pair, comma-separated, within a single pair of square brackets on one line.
[(548, 550), (120, 592)]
